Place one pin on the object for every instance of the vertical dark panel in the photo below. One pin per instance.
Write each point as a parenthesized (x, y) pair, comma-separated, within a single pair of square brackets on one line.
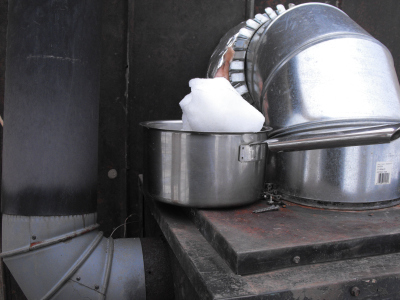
[(172, 42), (112, 192), (13, 291), (3, 30), (381, 19), (9, 288), (135, 198)]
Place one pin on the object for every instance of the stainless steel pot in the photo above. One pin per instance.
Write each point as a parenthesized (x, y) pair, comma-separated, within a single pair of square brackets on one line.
[(203, 169), (326, 71), (363, 177)]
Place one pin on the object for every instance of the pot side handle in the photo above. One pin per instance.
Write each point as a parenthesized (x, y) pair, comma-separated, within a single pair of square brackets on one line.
[(343, 138)]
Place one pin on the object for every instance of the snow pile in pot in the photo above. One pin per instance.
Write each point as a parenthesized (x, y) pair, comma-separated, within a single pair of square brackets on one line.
[(215, 106)]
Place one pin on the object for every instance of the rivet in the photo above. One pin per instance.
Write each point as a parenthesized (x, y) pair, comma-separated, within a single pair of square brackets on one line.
[(33, 237), (96, 287), (355, 291), (78, 278), (296, 259), (112, 174)]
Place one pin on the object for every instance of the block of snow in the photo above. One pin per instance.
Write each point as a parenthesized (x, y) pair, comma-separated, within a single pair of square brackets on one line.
[(215, 106)]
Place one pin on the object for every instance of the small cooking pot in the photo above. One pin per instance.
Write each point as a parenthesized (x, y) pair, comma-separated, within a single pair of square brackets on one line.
[(215, 169)]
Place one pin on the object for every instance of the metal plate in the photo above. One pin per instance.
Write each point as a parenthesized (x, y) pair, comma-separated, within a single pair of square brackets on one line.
[(253, 243), (203, 274), (251, 153)]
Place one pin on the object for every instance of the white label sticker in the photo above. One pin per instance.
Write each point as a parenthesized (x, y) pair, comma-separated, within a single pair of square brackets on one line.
[(383, 172)]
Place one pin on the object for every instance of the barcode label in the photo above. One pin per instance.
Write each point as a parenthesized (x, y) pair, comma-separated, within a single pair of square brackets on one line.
[(383, 178), (383, 172)]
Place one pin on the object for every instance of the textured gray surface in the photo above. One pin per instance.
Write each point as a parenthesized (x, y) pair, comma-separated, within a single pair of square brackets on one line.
[(377, 277), (254, 243)]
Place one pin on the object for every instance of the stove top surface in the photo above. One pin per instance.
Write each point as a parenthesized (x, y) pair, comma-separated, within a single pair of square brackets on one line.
[(296, 235)]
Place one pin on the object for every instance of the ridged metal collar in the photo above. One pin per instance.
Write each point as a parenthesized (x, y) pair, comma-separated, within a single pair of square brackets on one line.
[(239, 39)]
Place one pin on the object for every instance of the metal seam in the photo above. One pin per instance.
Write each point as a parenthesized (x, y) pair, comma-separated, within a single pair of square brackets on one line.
[(107, 273), (338, 123), (75, 266), (45, 243)]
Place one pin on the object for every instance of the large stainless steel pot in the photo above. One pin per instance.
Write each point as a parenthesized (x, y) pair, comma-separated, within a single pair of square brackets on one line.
[(363, 177), (203, 169), (311, 68)]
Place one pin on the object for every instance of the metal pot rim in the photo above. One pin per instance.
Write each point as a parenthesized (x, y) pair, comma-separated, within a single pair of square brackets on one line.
[(153, 125)]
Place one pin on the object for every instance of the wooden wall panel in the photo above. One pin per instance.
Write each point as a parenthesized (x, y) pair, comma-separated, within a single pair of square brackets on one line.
[(113, 127)]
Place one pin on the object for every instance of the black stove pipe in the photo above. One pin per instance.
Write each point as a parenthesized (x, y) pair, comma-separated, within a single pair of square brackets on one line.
[(50, 240), (51, 108)]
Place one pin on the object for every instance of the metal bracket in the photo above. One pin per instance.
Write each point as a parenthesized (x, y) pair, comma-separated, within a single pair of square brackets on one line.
[(251, 153)]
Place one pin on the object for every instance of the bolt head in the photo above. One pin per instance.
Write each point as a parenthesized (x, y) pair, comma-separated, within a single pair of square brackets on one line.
[(112, 174), (296, 259), (33, 237), (78, 278), (96, 287), (355, 291)]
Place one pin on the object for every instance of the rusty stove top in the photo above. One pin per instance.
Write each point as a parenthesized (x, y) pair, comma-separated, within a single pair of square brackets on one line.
[(296, 235)]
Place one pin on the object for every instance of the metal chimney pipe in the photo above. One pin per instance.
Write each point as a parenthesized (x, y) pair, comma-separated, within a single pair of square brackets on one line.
[(51, 108), (50, 241)]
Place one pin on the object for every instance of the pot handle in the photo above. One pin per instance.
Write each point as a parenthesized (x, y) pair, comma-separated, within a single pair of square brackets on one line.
[(344, 138)]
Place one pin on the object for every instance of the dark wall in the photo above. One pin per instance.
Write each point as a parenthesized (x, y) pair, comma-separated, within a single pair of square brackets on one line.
[(381, 20), (113, 127), (3, 30), (170, 43), (150, 51)]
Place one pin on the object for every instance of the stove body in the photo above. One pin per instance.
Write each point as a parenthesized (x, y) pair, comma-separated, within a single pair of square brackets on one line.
[(293, 253)]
